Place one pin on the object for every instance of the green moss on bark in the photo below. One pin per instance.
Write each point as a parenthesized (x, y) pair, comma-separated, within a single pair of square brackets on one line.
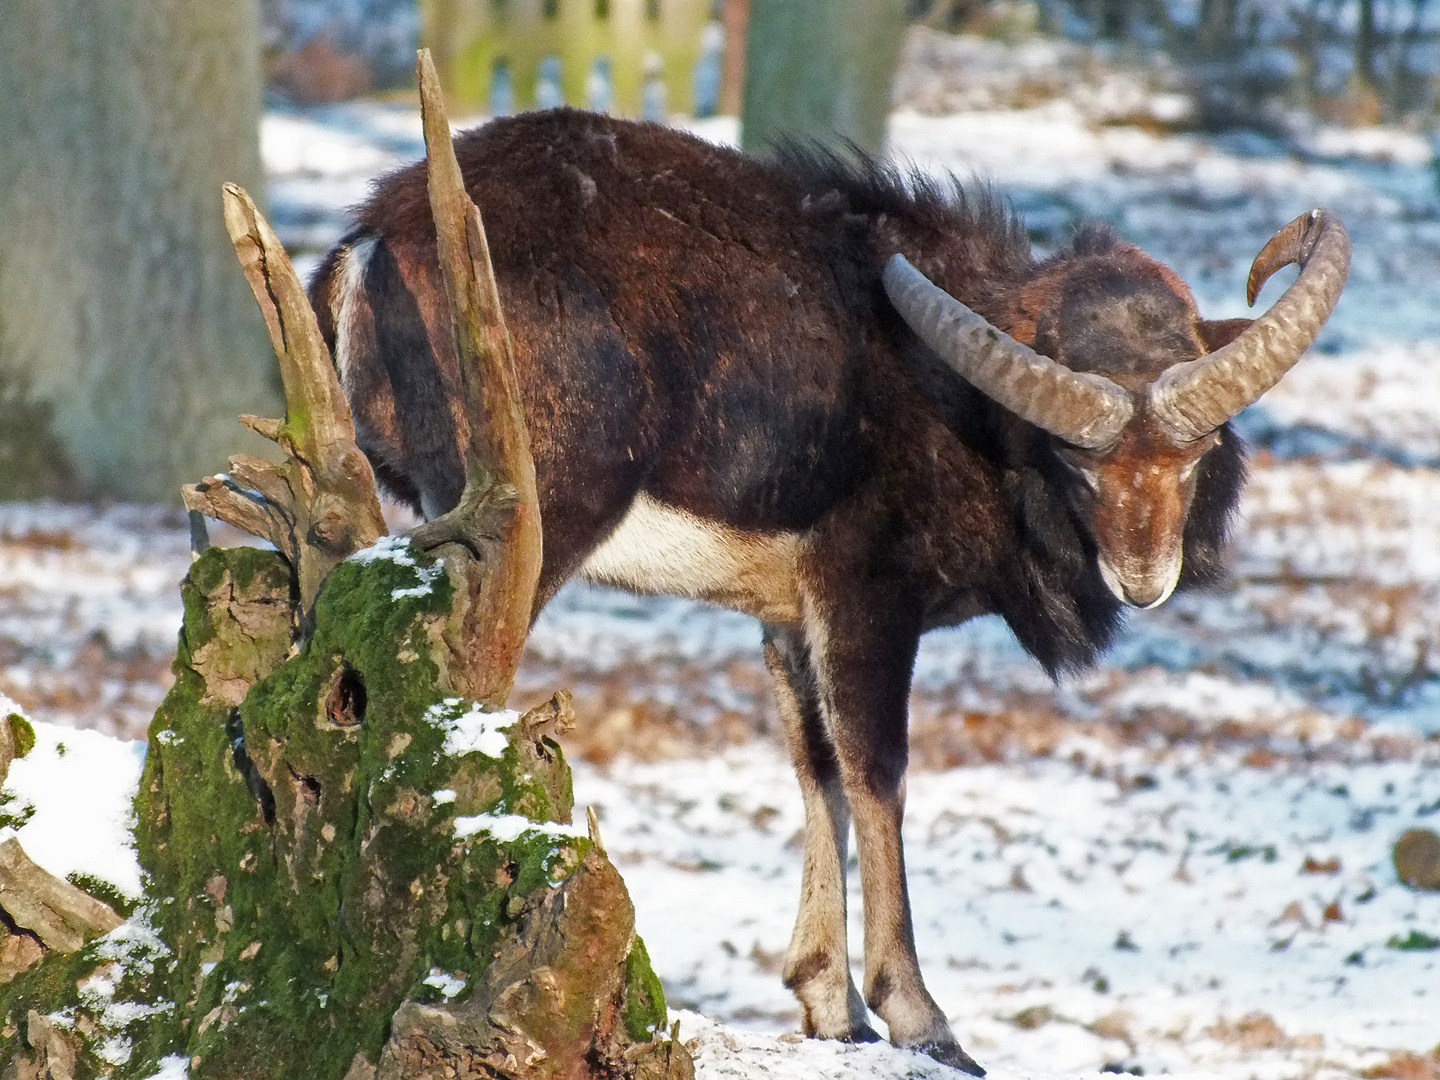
[(305, 876), (644, 1009), (21, 734)]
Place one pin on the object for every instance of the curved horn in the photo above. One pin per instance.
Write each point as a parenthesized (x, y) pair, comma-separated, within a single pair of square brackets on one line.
[(1196, 397), (1082, 408)]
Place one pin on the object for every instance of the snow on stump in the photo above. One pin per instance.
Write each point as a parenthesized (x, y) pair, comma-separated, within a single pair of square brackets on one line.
[(357, 865), (40, 914)]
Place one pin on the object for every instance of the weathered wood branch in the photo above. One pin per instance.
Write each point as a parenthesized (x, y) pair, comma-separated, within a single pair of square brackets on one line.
[(60, 915), (319, 505), (499, 512)]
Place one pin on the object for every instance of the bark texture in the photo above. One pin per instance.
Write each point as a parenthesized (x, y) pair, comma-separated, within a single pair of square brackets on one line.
[(344, 878), (320, 505), (127, 343)]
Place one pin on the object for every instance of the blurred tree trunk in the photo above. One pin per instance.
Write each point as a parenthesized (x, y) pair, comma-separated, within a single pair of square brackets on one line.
[(1365, 43), (122, 319), (1112, 19), (821, 69), (1217, 28)]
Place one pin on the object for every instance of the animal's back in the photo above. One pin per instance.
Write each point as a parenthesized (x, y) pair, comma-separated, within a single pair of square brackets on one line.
[(683, 327)]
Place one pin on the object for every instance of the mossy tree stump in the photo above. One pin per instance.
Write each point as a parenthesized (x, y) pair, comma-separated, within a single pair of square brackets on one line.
[(354, 866)]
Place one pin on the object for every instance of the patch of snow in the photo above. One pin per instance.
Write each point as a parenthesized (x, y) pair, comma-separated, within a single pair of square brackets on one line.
[(449, 985), (443, 796), (135, 952), (397, 549), (1153, 911), (1206, 697), (473, 731), (81, 785), (508, 827), (134, 944), (114, 1050), (722, 130), (115, 571), (722, 1051), (172, 1067), (1387, 145), (295, 143)]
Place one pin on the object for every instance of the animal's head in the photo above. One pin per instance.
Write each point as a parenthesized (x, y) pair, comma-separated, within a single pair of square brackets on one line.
[(1110, 357)]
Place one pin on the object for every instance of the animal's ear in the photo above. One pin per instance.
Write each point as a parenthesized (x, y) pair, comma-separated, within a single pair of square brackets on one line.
[(1217, 333)]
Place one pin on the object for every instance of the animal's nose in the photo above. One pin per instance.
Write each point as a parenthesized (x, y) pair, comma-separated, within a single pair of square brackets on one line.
[(1147, 588), (1147, 595)]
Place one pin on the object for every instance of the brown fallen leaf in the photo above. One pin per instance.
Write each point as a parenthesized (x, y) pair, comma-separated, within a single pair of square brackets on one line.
[(1253, 1031), (1403, 1065)]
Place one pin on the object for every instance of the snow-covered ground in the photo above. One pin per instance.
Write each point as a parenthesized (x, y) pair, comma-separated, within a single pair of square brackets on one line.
[(1179, 862), (1089, 910)]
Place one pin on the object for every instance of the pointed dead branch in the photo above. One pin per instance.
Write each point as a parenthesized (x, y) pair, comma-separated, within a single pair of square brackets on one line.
[(319, 505), (498, 515)]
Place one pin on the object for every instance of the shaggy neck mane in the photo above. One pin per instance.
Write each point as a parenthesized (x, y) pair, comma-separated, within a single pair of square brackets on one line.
[(1050, 592), (880, 202)]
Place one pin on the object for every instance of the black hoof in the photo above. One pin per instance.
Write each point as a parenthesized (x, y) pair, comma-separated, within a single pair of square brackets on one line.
[(862, 1034), (949, 1053)]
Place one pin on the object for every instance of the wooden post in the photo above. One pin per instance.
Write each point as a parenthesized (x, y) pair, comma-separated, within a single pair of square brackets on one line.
[(499, 508), (320, 505)]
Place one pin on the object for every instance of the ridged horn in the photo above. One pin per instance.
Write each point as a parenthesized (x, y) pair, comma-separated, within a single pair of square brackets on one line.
[(1082, 408), (1196, 397)]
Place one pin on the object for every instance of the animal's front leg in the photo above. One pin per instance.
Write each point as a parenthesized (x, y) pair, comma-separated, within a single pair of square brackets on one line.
[(817, 965), (863, 645)]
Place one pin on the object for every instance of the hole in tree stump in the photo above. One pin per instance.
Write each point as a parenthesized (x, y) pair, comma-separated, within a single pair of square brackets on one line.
[(309, 787), (345, 700)]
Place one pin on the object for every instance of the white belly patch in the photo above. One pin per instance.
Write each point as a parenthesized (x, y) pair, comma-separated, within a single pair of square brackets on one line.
[(660, 550)]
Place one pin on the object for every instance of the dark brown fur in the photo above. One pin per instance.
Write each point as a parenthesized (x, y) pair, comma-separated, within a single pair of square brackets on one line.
[(710, 330)]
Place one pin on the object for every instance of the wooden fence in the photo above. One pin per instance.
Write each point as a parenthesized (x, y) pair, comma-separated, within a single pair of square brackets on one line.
[(638, 58)]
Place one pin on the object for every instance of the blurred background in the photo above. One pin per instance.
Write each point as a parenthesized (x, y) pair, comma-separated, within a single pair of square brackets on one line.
[(1205, 783)]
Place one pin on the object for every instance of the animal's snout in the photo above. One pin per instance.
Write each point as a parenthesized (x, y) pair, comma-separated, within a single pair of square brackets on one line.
[(1143, 586)]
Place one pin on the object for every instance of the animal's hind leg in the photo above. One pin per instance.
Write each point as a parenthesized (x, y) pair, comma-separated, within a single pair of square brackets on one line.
[(817, 965)]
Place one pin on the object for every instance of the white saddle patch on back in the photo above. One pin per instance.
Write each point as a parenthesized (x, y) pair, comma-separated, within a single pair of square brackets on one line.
[(346, 301), (660, 550)]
